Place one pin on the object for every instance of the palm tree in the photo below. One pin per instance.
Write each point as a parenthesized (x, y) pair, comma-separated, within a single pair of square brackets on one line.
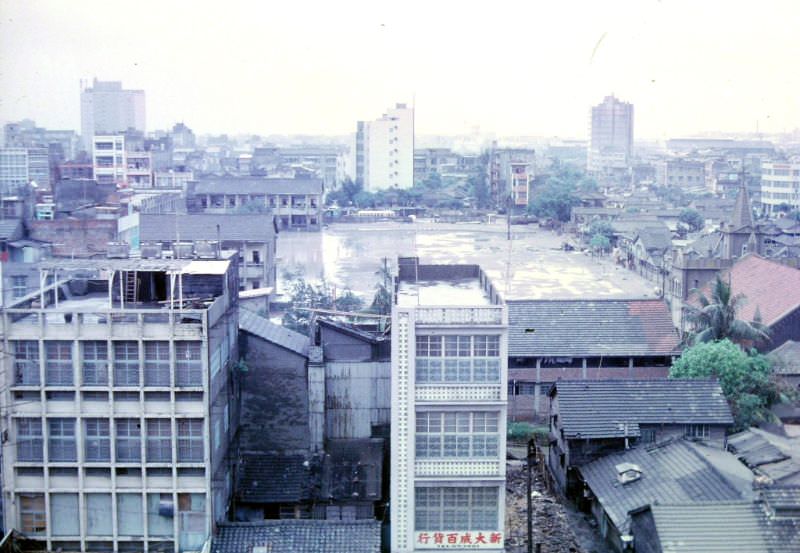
[(715, 319)]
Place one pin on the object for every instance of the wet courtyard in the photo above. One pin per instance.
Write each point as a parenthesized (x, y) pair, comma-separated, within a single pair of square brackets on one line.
[(531, 265)]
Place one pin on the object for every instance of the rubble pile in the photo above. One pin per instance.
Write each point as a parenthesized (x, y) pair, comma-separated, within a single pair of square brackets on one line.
[(551, 525)]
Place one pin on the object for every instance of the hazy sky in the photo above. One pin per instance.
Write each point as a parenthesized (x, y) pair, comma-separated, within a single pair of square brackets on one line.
[(295, 66)]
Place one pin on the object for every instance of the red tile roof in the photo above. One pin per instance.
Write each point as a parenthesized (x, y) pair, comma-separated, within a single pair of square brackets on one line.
[(768, 286)]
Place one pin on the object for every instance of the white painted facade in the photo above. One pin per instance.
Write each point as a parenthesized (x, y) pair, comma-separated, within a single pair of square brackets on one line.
[(387, 147), (448, 420), (780, 184)]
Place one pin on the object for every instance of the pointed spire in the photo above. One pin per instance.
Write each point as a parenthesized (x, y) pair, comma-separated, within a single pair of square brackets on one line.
[(742, 210)]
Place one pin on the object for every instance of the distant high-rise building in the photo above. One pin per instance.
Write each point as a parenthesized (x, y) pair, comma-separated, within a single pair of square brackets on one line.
[(107, 108), (611, 136), (20, 166), (385, 150)]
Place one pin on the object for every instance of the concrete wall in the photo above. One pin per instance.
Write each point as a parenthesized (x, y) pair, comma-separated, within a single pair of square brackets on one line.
[(75, 237), (274, 414), (339, 346)]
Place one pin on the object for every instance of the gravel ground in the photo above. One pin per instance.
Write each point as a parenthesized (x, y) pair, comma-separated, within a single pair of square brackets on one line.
[(558, 527)]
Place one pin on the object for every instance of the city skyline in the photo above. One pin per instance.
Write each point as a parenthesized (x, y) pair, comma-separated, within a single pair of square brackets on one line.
[(317, 69)]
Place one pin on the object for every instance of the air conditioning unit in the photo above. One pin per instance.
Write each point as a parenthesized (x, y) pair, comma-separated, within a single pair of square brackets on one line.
[(117, 250), (183, 250), (150, 251), (205, 249)]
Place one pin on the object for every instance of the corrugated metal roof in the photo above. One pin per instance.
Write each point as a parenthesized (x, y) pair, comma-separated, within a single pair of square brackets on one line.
[(283, 337), (675, 472), (576, 328), (299, 536), (203, 226), (604, 408)]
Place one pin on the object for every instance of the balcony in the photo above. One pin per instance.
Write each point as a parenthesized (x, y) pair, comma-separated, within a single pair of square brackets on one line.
[(459, 468), (439, 393), (487, 315)]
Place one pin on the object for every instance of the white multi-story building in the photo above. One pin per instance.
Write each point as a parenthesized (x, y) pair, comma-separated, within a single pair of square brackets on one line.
[(119, 404), (107, 108), (114, 160), (385, 150), (20, 166), (449, 374), (780, 184)]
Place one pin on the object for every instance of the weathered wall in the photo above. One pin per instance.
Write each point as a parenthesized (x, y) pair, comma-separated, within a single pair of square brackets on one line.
[(645, 535), (274, 398), (339, 346), (357, 397), (75, 237)]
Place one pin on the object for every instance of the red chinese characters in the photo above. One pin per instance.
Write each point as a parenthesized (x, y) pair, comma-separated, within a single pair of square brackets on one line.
[(456, 540)]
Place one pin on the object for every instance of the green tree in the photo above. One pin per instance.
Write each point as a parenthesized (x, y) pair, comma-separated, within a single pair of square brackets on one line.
[(603, 228), (715, 318), (746, 379), (555, 201), (692, 219), (305, 296), (382, 301), (600, 243)]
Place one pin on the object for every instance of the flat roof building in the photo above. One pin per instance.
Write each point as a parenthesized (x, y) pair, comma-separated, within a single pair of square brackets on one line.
[(121, 404), (449, 366)]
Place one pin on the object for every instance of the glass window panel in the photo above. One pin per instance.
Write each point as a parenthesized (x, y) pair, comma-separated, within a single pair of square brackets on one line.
[(63, 514), (129, 514), (98, 514)]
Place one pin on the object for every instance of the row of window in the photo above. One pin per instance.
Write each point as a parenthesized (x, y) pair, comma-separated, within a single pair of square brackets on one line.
[(458, 346), (66, 517), (95, 360), (62, 444), (457, 434), (448, 509), (429, 370)]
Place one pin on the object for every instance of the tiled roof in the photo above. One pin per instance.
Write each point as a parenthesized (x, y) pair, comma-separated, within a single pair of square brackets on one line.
[(753, 449), (574, 328), (742, 210), (656, 238), (786, 497), (776, 457), (605, 408), (203, 226), (277, 334), (768, 286), (273, 479), (299, 536), (788, 357), (675, 472), (255, 185), (710, 527)]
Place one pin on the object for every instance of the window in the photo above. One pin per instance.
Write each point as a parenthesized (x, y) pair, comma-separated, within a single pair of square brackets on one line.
[(458, 359), (159, 441), (95, 363), (26, 362), (126, 363), (19, 285), (156, 364), (98, 508), (256, 256), (128, 443), (188, 364), (32, 518), (63, 518), (190, 440), (698, 431), (160, 509), (192, 520), (456, 509), (97, 440), (61, 440), (58, 363), (457, 434), (129, 514), (30, 443)]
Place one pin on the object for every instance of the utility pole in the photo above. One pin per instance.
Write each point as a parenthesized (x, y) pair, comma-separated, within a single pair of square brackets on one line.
[(531, 458)]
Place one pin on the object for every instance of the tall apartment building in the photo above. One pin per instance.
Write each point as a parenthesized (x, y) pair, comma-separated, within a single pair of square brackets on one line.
[(120, 404), (780, 184), (448, 420), (117, 159), (611, 136), (385, 150), (510, 173), (107, 108)]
